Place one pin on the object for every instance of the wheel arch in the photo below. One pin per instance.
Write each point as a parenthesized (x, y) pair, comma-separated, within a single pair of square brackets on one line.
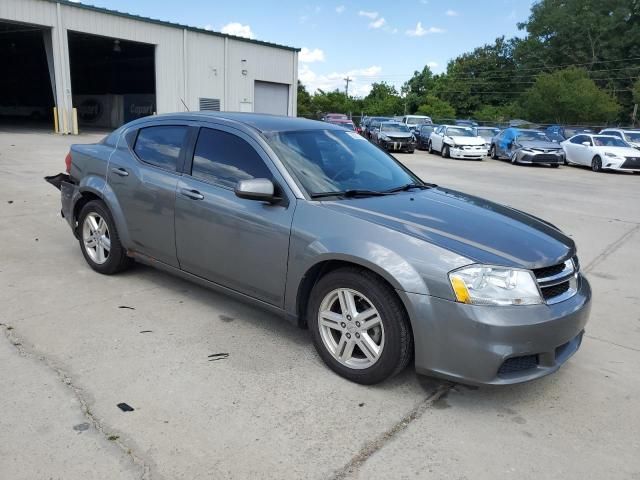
[(321, 268)]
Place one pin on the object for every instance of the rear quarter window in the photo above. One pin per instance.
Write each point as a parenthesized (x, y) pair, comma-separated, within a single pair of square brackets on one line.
[(161, 145)]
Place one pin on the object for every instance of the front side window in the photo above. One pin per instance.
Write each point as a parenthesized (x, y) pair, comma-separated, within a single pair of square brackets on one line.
[(334, 161), (161, 145), (224, 158)]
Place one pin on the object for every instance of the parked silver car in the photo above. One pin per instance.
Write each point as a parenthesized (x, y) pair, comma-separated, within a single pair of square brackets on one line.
[(311, 221), (521, 145)]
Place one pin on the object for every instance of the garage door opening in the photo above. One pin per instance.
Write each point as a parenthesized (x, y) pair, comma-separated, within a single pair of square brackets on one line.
[(113, 80), (26, 82), (271, 98)]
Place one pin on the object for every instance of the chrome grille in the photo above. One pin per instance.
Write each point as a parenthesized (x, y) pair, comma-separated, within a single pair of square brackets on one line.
[(558, 282)]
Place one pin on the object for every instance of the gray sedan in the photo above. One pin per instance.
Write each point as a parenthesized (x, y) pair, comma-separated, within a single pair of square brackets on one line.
[(311, 221)]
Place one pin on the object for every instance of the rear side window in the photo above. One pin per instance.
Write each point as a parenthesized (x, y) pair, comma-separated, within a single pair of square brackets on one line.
[(160, 146), (224, 158)]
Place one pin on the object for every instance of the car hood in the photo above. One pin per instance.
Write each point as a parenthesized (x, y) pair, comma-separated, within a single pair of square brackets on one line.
[(622, 151), (468, 140), (397, 134), (539, 144), (483, 231)]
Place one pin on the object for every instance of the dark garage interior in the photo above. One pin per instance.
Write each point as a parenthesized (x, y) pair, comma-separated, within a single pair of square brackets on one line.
[(26, 91), (112, 80)]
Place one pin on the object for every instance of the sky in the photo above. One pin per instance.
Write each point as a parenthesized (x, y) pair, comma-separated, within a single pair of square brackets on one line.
[(368, 41)]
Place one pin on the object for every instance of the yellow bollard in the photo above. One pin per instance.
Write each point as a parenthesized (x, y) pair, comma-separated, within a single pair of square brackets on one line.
[(65, 125), (74, 121), (56, 128)]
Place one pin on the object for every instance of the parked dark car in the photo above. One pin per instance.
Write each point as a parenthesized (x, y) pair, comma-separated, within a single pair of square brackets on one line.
[(372, 124), (567, 132), (348, 124), (422, 135), (311, 221), (394, 137), (526, 146)]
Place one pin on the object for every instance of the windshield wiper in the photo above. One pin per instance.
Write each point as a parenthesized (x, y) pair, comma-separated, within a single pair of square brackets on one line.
[(409, 186), (350, 193)]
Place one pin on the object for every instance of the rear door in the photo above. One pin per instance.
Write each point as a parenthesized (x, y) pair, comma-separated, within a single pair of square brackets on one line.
[(143, 174), (241, 244)]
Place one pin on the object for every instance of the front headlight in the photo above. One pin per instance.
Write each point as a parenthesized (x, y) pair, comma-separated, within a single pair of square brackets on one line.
[(491, 285), (611, 154)]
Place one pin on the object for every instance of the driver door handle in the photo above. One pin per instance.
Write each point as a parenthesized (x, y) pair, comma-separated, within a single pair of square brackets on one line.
[(192, 194), (120, 171)]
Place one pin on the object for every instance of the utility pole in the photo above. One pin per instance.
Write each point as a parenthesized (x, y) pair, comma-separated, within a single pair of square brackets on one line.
[(346, 89)]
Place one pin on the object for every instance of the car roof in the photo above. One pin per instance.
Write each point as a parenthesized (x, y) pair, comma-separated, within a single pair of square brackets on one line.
[(262, 122)]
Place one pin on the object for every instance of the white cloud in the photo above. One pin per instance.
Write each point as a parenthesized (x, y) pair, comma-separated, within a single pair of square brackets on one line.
[(432, 65), (451, 13), (208, 27), (360, 85), (309, 56), (377, 23), (420, 31), (371, 15), (340, 9), (237, 29)]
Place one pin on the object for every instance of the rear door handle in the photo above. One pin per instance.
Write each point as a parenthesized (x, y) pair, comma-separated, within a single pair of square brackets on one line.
[(120, 171), (192, 194)]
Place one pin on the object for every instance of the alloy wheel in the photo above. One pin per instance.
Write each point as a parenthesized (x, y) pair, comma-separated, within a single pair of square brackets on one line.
[(351, 328), (96, 239)]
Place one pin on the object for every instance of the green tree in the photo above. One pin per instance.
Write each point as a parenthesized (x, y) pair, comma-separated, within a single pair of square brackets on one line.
[(305, 108), (436, 108), (636, 91), (502, 113), (383, 99), (603, 36), (484, 76), (568, 96), (417, 87)]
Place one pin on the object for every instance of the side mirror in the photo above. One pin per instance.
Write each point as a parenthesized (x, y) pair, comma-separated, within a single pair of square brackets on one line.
[(260, 189), (586, 144)]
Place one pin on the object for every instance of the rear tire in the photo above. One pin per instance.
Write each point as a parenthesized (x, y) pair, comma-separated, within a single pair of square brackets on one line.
[(554, 165), (596, 164), (99, 240), (368, 355)]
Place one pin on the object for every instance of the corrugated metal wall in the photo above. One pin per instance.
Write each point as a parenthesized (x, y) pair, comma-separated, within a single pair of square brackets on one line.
[(189, 64)]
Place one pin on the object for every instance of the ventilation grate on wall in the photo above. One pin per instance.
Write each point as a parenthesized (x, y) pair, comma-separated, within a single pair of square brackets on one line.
[(211, 104)]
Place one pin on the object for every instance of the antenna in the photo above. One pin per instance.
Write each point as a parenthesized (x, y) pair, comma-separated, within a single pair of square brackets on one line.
[(185, 105)]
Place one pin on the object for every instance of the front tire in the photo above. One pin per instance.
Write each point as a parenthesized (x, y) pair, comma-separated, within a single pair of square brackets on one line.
[(596, 164), (359, 326), (99, 240), (492, 152), (430, 147), (445, 151)]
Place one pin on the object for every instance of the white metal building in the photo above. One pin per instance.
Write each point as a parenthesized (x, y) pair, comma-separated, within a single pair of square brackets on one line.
[(114, 66)]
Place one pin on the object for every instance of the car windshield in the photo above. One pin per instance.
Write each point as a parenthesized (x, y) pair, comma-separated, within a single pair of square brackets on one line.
[(394, 128), (609, 142), (533, 136), (348, 125), (338, 161), (487, 132), (570, 132), (632, 136), (459, 132), (415, 120)]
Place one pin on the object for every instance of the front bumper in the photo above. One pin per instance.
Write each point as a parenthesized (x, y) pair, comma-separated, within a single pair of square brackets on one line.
[(470, 152), (484, 345), (621, 164), (535, 157), (398, 145)]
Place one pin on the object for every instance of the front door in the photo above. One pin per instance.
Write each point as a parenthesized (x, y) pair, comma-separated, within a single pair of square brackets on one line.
[(238, 243)]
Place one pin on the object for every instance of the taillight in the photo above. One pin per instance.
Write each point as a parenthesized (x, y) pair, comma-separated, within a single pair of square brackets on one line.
[(67, 162)]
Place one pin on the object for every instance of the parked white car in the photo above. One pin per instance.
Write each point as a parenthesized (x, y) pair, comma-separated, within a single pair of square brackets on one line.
[(601, 152), (457, 142), (632, 137)]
